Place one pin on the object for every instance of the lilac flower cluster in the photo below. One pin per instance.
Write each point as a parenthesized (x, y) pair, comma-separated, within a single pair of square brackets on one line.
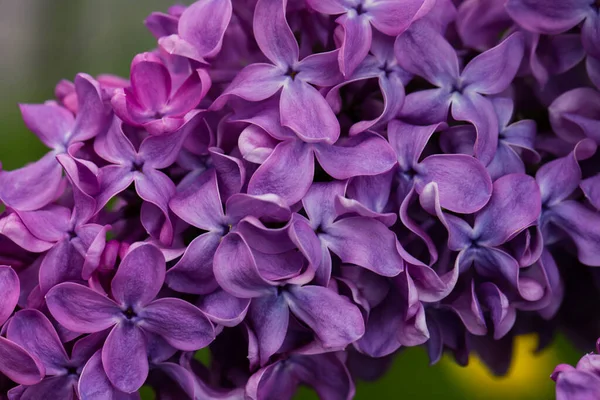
[(305, 187)]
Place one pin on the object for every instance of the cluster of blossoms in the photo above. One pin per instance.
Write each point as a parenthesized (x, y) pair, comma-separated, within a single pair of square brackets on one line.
[(305, 187)]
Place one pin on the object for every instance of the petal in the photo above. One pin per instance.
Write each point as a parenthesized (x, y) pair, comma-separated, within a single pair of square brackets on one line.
[(478, 110), (161, 24), (180, 323), (93, 116), (203, 25), (52, 387), (506, 161), (369, 196), (356, 43), (235, 268), (50, 122), (269, 317), (18, 365), (393, 18), (288, 172), (32, 330), (273, 34), (547, 16), (161, 151), (140, 276), (463, 183), (273, 380), (124, 357), (575, 115), (61, 264), (305, 111), (150, 81), (341, 160), (81, 309), (326, 374), (334, 319), (255, 144), (320, 69), (582, 225), (515, 205), (199, 204), (365, 242), (113, 180), (501, 313), (231, 174), (268, 206), (409, 141), (156, 188), (193, 273), (10, 289), (493, 70), (223, 308), (577, 385), (49, 223), (467, 307), (94, 384), (319, 202), (32, 186), (426, 106), (591, 189), (255, 82), (13, 228), (114, 146), (423, 51), (189, 94), (330, 7)]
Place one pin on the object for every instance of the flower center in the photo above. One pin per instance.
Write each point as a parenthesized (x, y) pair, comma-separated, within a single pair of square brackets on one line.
[(72, 371), (291, 73), (137, 166), (360, 10), (129, 313)]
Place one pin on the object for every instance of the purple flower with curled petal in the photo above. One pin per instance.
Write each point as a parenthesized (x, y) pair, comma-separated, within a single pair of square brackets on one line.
[(575, 115), (37, 184), (132, 312), (325, 373), (383, 66), (515, 205), (357, 17), (423, 51), (557, 180), (303, 109), (32, 330), (94, 384), (15, 361), (141, 166), (361, 155), (200, 30), (152, 102), (275, 290), (579, 382)]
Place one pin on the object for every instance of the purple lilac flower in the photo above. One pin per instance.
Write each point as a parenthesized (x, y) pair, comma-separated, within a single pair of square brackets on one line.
[(287, 189)]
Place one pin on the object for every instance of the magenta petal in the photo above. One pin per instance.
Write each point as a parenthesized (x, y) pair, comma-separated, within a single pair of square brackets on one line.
[(356, 43), (193, 273), (32, 186), (393, 17), (50, 223), (13, 228), (17, 364), (305, 111), (199, 204), (492, 71), (161, 24), (81, 309), (288, 172), (150, 81), (479, 111), (515, 205), (10, 289), (273, 34), (463, 183), (269, 318), (547, 16), (32, 330), (203, 25), (365, 154), (235, 268), (189, 94), (93, 116), (124, 357), (139, 277), (94, 384), (421, 50), (50, 122), (334, 319), (365, 242), (180, 323)]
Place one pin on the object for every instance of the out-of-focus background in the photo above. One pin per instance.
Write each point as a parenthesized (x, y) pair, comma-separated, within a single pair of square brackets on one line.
[(45, 41)]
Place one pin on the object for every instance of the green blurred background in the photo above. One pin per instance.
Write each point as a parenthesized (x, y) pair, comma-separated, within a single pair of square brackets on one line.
[(45, 41)]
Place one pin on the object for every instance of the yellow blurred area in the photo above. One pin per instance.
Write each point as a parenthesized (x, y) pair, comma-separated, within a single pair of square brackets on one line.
[(528, 374)]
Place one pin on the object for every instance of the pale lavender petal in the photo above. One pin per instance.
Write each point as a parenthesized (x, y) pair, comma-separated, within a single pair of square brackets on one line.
[(193, 273), (515, 205), (341, 160), (492, 71), (50, 223), (114, 146), (203, 25), (32, 186), (50, 122), (13, 228), (365, 242), (124, 357), (180, 323), (255, 144), (334, 319), (255, 82), (273, 34), (288, 172), (577, 384), (305, 111), (356, 42), (81, 309), (320, 69), (393, 17)]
